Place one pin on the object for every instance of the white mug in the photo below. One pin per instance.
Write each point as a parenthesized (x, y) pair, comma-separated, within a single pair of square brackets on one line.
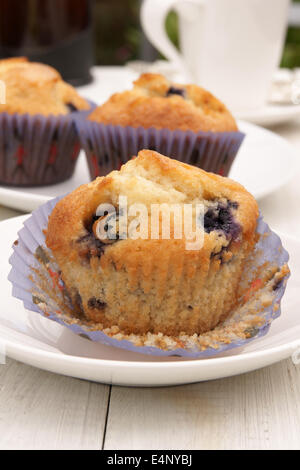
[(230, 47)]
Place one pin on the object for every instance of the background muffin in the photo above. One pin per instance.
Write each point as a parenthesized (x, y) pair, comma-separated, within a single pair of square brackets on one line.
[(182, 121), (36, 88), (39, 144), (155, 285), (155, 102)]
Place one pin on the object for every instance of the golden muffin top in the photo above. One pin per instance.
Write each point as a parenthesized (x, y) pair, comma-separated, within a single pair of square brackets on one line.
[(37, 88), (156, 102), (150, 179)]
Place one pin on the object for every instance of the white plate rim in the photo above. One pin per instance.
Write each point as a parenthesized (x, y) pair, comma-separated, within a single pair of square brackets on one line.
[(292, 170), (265, 115), (287, 348)]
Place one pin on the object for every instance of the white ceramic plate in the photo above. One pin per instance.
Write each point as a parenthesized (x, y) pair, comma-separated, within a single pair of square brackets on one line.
[(264, 163), (34, 340), (271, 114)]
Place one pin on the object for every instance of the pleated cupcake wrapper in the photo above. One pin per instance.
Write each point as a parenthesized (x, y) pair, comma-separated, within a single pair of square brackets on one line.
[(237, 331), (37, 150), (108, 147)]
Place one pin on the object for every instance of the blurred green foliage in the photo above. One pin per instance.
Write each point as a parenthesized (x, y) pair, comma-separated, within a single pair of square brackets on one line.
[(172, 27), (291, 52), (117, 33)]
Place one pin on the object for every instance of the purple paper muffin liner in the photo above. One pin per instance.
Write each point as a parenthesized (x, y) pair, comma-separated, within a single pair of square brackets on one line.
[(37, 150), (108, 147), (30, 249)]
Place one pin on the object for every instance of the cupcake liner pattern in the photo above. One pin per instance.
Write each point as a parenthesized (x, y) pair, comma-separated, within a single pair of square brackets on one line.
[(108, 147), (37, 150), (33, 268)]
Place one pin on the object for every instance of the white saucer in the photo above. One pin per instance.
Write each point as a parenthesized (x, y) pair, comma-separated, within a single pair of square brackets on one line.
[(270, 115), (40, 342), (264, 163)]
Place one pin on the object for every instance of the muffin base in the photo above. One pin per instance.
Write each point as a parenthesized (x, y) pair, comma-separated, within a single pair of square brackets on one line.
[(108, 147), (37, 150)]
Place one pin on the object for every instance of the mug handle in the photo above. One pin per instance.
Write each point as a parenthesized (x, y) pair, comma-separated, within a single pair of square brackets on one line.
[(153, 16)]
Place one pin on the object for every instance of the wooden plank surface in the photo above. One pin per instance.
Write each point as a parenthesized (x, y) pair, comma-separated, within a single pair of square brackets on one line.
[(41, 410), (259, 410)]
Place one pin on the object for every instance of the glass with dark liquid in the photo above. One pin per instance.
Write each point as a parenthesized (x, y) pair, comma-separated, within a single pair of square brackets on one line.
[(55, 32)]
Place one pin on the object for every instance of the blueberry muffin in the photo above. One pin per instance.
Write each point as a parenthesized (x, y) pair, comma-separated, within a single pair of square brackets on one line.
[(39, 142), (145, 283), (184, 122), (156, 102), (36, 88)]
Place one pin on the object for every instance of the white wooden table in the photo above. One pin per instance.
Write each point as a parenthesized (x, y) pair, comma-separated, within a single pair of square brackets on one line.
[(259, 410)]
